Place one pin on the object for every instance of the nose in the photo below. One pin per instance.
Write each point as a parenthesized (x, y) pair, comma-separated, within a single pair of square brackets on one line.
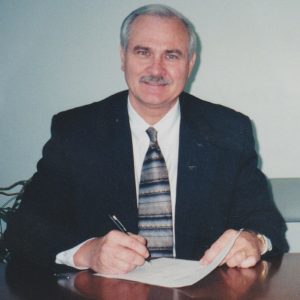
[(157, 66)]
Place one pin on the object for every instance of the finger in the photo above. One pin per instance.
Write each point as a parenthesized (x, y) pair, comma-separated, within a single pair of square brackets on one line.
[(133, 242), (230, 256), (139, 238), (142, 240), (129, 256), (236, 259), (126, 247), (136, 244), (249, 246), (231, 253), (248, 262), (116, 260), (247, 242), (217, 247)]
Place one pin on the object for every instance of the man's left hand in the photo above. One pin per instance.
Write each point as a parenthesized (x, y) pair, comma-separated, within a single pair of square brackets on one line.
[(245, 253)]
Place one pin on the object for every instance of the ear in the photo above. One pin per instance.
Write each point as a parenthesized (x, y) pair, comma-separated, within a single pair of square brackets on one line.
[(192, 63), (122, 55)]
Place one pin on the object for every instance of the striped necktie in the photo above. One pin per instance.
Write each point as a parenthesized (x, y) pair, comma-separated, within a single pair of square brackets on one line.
[(155, 209)]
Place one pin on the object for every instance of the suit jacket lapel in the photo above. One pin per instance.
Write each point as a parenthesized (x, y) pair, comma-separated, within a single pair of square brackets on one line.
[(123, 195)]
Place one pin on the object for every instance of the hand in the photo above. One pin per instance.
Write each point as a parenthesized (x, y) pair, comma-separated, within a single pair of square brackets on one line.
[(245, 253), (114, 253)]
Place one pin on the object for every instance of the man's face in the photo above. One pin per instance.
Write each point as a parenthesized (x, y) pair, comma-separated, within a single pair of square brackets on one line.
[(156, 63)]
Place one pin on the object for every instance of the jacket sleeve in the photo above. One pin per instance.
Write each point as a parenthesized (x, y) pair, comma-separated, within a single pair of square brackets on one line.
[(253, 207), (44, 224)]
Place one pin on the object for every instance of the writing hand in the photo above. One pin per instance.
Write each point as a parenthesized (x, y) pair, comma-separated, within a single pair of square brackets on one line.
[(114, 253), (245, 253)]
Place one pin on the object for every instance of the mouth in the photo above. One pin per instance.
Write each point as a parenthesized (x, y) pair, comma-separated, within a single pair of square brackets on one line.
[(154, 83)]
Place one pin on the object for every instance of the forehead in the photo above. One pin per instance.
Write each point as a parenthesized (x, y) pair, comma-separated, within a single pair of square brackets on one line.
[(158, 31)]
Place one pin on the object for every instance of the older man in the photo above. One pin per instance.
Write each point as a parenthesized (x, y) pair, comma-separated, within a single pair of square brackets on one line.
[(179, 172)]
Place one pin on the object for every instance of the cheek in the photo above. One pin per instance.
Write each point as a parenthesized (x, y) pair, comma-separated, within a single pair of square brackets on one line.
[(133, 72), (178, 72), (180, 76)]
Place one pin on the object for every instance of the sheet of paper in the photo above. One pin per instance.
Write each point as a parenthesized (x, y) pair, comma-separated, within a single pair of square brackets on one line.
[(174, 273)]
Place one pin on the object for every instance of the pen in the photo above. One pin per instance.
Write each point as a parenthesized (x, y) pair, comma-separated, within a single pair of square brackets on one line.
[(118, 223), (122, 228)]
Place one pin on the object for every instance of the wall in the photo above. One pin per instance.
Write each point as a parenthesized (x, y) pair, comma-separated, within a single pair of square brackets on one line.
[(55, 55)]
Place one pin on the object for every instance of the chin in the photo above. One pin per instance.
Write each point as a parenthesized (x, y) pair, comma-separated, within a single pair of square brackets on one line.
[(154, 100), (158, 103)]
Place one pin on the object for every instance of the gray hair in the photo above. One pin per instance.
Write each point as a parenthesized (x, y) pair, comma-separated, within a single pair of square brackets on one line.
[(162, 11)]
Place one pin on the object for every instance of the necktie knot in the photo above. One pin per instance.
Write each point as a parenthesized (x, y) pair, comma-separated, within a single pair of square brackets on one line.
[(152, 133)]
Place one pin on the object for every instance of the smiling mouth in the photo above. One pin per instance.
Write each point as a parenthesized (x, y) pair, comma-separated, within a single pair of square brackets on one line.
[(155, 83)]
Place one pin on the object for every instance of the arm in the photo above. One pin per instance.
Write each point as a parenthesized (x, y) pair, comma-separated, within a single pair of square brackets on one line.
[(58, 210), (252, 209), (43, 225)]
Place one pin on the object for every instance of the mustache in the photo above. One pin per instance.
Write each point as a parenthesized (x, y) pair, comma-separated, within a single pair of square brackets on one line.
[(157, 80)]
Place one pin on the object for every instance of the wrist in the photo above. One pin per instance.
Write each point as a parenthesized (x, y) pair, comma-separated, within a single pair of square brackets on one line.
[(265, 244), (81, 258)]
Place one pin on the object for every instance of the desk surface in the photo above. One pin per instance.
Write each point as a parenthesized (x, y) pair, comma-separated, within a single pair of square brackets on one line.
[(275, 280)]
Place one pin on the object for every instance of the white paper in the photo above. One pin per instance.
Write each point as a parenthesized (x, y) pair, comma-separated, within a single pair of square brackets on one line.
[(171, 272)]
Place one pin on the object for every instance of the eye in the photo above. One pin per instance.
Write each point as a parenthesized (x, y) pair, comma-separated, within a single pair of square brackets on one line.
[(142, 52), (172, 56)]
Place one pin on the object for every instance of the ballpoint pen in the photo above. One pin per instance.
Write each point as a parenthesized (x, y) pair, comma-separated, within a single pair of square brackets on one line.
[(122, 228), (118, 223)]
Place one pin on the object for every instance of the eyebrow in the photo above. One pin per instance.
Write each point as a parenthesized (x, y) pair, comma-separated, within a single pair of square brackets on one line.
[(138, 47)]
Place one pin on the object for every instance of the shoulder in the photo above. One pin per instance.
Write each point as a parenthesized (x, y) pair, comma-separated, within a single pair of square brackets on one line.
[(92, 114), (113, 103), (209, 110), (221, 122)]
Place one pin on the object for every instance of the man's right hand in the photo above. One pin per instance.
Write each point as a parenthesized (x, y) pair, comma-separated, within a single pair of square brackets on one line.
[(114, 253)]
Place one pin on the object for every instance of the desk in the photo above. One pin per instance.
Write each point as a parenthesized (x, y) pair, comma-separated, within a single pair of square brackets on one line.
[(278, 279)]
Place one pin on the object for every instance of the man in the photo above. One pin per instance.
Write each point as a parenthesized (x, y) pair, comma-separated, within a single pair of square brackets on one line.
[(91, 168)]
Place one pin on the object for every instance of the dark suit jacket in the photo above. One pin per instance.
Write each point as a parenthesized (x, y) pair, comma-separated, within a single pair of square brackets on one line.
[(87, 173)]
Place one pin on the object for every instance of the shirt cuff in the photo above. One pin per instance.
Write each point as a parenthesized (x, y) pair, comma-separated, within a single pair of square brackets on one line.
[(267, 243), (67, 257)]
